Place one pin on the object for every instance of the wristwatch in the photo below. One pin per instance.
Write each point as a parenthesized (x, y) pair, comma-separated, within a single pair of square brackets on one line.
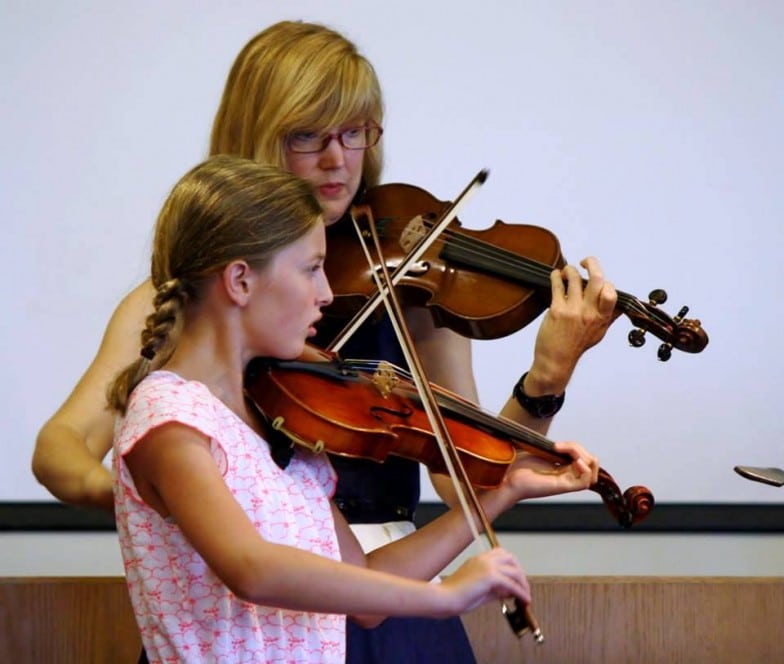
[(541, 407)]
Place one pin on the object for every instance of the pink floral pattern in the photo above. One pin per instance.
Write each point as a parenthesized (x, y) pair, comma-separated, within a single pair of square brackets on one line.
[(185, 613)]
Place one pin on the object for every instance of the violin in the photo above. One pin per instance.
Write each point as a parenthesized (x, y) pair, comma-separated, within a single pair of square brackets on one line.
[(481, 284), (370, 409)]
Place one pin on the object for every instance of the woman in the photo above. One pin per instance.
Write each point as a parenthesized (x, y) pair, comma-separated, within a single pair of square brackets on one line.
[(301, 97)]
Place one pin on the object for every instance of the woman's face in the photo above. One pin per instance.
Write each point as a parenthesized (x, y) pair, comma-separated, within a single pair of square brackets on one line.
[(335, 173)]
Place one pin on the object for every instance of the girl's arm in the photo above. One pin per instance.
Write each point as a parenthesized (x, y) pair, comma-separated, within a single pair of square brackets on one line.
[(176, 475), (71, 445)]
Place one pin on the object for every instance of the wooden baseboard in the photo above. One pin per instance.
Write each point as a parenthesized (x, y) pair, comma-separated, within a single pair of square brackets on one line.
[(607, 620), (66, 620), (641, 620)]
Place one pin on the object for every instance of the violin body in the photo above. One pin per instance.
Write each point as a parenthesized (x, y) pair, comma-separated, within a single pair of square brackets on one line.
[(350, 413), (475, 292), (343, 408)]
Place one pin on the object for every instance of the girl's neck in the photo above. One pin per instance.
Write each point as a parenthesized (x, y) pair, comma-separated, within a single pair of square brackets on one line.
[(210, 356)]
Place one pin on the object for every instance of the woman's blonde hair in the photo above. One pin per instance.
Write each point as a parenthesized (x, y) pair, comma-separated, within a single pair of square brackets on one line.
[(296, 76), (225, 209)]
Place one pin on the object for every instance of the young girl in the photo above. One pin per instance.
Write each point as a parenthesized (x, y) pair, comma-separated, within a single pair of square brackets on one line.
[(230, 558)]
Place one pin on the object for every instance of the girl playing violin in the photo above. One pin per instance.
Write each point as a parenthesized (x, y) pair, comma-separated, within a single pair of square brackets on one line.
[(228, 556), (300, 96)]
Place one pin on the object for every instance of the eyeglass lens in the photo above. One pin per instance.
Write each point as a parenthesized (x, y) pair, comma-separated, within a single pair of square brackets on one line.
[(353, 138)]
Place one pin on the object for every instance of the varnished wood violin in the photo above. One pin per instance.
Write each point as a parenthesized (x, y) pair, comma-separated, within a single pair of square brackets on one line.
[(481, 284)]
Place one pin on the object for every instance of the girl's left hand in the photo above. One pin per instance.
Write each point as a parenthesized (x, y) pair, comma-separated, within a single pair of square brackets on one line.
[(531, 476)]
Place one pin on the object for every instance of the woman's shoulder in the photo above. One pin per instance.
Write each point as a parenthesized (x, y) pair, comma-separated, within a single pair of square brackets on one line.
[(120, 344), (136, 305)]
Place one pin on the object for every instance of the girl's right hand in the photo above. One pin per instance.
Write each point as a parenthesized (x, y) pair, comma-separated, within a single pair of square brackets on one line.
[(494, 574)]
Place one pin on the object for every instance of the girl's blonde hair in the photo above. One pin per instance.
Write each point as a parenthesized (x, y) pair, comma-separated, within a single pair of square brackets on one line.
[(296, 76), (225, 209)]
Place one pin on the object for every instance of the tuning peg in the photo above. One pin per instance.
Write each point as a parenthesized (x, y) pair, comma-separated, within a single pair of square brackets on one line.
[(665, 352), (657, 296), (637, 338), (679, 317)]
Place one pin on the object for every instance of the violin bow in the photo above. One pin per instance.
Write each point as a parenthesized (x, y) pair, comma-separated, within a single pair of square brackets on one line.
[(414, 255), (520, 618)]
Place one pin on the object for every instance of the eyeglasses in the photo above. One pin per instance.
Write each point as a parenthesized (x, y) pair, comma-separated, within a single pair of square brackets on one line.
[(353, 138)]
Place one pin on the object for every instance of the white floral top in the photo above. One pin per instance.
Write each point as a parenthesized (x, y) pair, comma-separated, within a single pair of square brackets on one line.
[(185, 613)]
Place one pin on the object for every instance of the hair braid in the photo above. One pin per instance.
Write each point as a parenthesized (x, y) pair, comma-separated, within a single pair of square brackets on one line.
[(225, 209)]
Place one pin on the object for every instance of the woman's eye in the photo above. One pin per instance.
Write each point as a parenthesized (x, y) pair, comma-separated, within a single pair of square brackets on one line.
[(304, 135)]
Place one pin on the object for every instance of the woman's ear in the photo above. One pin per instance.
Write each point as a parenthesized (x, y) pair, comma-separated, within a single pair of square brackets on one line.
[(238, 280)]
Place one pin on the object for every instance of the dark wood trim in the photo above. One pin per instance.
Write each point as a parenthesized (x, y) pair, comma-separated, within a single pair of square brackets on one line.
[(531, 518), (665, 518)]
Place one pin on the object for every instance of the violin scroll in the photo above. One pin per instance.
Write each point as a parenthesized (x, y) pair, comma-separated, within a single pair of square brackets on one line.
[(677, 332), (627, 508)]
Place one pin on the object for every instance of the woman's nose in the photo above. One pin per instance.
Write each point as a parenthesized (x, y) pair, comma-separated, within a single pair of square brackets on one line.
[(332, 155)]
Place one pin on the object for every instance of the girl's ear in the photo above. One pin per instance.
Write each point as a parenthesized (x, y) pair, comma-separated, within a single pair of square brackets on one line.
[(238, 278)]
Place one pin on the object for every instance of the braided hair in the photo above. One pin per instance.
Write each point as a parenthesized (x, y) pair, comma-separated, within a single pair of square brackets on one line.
[(225, 209)]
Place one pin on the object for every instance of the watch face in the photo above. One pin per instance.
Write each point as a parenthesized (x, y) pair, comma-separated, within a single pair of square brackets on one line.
[(541, 407), (547, 406)]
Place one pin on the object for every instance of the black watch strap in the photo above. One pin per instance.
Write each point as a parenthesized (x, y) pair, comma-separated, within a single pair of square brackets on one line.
[(541, 407)]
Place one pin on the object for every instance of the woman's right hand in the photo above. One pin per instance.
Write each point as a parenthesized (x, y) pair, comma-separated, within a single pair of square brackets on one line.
[(493, 575)]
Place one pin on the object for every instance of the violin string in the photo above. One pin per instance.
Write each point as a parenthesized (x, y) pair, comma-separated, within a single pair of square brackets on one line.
[(536, 271), (458, 406)]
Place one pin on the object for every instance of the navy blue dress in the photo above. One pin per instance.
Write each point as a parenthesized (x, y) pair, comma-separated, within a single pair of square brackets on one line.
[(370, 492)]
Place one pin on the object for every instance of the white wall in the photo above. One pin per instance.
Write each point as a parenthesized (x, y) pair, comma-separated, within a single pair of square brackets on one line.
[(648, 134), (576, 554)]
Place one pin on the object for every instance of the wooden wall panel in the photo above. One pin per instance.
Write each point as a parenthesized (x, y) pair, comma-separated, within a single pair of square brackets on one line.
[(642, 620), (607, 620), (67, 621)]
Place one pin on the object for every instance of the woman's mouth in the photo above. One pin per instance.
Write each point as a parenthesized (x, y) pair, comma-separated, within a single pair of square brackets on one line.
[(331, 189)]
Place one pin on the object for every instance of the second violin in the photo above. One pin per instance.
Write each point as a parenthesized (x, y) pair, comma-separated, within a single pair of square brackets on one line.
[(481, 284), (371, 410)]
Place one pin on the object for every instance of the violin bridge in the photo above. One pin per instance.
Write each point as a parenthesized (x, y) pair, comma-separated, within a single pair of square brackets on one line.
[(385, 378), (413, 232)]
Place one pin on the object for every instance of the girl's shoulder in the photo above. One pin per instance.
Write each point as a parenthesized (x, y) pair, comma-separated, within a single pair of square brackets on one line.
[(165, 397), (167, 387)]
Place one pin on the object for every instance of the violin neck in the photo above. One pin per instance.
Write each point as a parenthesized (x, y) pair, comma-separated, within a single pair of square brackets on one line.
[(515, 433), (470, 252), (464, 250)]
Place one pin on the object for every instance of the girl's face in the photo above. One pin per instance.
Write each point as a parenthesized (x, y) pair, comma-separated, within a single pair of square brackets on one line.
[(335, 172), (291, 291)]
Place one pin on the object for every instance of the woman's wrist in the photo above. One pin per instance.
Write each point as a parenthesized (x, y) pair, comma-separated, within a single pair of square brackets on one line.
[(542, 405)]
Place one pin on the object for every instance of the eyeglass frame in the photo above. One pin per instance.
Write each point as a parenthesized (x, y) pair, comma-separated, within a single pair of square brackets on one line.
[(327, 138)]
